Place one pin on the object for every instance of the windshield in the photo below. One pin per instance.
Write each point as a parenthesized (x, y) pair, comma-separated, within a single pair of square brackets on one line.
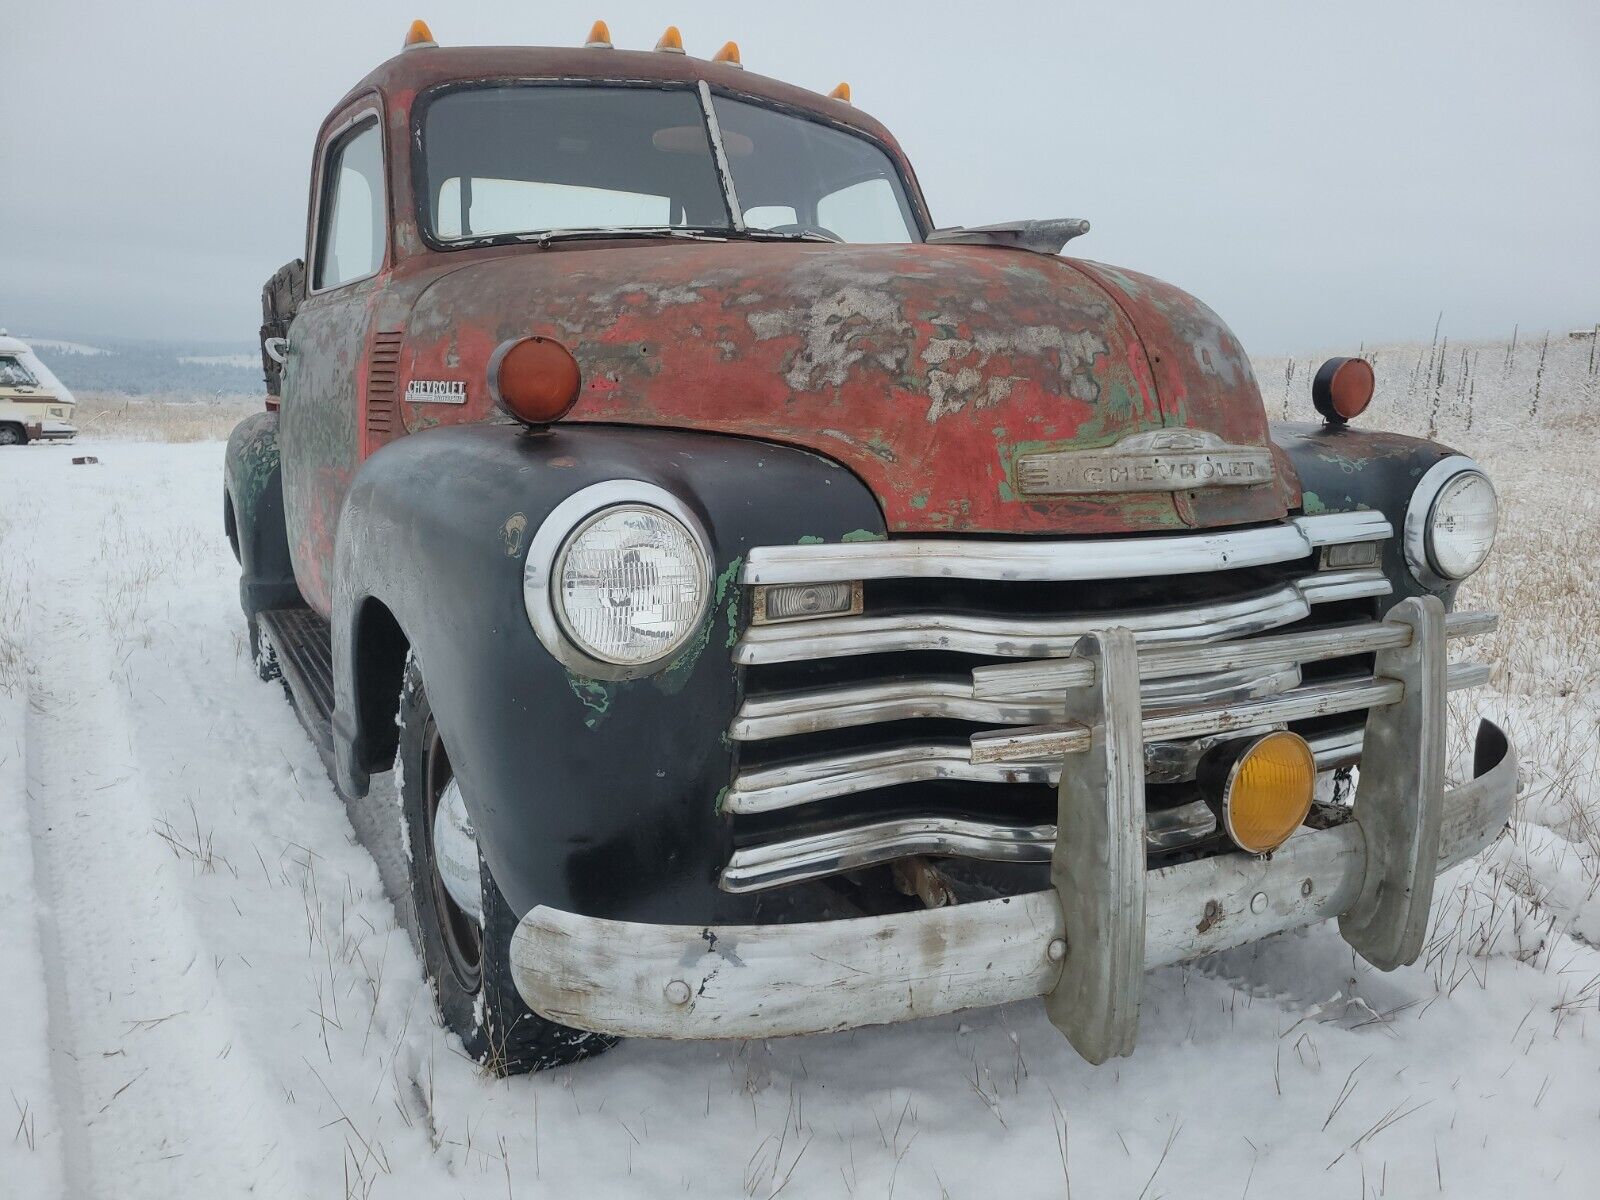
[(14, 374), (798, 176), (511, 160)]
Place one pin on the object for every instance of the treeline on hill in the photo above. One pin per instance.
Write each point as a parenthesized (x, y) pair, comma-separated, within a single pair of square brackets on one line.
[(157, 368)]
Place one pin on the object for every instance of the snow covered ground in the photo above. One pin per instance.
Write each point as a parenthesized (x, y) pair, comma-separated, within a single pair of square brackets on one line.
[(207, 993)]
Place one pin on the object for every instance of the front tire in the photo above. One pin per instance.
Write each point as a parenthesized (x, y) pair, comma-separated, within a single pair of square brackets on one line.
[(13, 435), (468, 964)]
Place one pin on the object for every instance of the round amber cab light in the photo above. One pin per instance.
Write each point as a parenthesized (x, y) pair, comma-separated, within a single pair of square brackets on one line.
[(1268, 791), (534, 380), (1343, 388)]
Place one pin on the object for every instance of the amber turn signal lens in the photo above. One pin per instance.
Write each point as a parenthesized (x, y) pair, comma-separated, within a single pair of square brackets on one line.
[(729, 54), (599, 37), (671, 41), (1343, 388), (534, 379), (418, 35), (842, 92), (1267, 790)]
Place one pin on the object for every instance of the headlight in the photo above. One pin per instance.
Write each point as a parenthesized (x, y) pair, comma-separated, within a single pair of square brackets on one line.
[(1450, 524), (618, 579)]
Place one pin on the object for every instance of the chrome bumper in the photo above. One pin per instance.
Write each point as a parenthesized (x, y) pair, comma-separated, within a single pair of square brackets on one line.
[(1084, 943)]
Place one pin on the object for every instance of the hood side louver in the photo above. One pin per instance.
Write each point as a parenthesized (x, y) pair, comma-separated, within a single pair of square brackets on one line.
[(383, 387)]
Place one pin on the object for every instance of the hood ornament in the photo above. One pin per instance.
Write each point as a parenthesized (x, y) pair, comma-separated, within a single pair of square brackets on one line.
[(1159, 460), (1042, 237)]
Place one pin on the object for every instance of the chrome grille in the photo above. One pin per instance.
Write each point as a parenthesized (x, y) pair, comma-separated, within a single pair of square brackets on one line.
[(973, 698)]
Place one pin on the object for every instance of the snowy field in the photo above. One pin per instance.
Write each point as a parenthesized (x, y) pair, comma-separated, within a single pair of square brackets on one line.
[(207, 993)]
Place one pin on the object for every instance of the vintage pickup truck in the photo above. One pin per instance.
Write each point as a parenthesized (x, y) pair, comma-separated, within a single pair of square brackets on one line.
[(783, 615)]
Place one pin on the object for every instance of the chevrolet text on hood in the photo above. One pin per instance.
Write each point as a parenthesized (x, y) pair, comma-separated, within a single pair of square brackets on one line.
[(781, 614)]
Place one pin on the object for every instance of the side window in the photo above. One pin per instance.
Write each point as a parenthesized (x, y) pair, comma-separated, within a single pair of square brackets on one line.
[(14, 374), (350, 225)]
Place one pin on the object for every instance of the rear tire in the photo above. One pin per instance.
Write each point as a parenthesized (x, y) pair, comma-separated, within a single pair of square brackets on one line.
[(468, 966)]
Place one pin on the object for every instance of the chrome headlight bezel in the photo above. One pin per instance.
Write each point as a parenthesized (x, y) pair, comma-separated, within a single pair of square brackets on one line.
[(566, 521), (1419, 519)]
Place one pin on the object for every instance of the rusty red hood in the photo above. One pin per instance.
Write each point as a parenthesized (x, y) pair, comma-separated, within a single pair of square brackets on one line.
[(927, 370)]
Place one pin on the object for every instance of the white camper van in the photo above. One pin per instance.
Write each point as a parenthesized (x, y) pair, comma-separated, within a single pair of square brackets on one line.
[(34, 405)]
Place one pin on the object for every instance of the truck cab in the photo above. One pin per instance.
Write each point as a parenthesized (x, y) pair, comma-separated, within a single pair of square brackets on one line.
[(784, 614)]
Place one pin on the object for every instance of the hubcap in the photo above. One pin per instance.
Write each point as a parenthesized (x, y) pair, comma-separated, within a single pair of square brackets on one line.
[(462, 935)]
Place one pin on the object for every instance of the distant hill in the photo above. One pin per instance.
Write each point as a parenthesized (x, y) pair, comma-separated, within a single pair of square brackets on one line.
[(147, 368)]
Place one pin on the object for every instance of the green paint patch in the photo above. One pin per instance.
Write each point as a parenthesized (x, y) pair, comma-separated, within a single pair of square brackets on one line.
[(596, 695), (864, 535), (920, 500), (810, 539), (724, 596), (1312, 503)]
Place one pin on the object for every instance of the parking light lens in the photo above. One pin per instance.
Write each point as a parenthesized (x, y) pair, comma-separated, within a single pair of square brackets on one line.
[(1267, 791)]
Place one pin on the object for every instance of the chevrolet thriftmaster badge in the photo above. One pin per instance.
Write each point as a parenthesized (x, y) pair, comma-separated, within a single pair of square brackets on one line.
[(436, 391), (1161, 460)]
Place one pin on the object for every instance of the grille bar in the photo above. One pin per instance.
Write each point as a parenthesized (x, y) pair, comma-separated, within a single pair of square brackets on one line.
[(1028, 637), (1018, 680), (814, 855), (814, 710), (1028, 755), (1302, 704), (1107, 558), (791, 860)]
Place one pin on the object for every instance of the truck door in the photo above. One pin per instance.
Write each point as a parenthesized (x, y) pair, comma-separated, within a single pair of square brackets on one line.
[(329, 341)]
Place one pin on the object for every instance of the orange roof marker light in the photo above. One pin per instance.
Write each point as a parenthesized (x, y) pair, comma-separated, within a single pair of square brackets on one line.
[(418, 37), (842, 92), (599, 37), (671, 41), (728, 54)]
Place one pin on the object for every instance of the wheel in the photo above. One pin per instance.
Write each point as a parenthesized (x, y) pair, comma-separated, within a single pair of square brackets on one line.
[(468, 963), (12, 435)]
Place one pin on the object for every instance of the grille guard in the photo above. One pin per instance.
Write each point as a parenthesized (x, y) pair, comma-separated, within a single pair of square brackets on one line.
[(1375, 872)]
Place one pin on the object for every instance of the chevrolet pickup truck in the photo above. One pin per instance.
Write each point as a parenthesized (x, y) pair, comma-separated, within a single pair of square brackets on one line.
[(780, 614)]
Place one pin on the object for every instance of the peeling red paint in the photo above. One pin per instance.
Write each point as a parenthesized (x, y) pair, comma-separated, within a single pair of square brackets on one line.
[(899, 361)]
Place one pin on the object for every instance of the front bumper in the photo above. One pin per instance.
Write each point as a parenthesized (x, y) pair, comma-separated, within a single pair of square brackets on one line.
[(1082, 944)]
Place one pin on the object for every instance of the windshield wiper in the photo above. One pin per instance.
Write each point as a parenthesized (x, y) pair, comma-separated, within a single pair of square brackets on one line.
[(692, 233), (686, 232)]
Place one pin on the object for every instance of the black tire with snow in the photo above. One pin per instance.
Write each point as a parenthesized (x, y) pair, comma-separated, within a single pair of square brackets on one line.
[(474, 992)]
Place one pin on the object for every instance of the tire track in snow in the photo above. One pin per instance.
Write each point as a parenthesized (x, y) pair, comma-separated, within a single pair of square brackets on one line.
[(156, 1095)]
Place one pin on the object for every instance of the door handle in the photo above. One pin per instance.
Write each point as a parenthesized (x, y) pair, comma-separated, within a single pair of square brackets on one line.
[(277, 349)]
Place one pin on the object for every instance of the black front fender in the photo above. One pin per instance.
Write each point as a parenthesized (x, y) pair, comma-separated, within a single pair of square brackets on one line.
[(595, 797), (1343, 469)]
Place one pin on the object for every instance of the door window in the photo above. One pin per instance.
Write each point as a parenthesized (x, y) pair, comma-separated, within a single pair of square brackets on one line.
[(350, 228)]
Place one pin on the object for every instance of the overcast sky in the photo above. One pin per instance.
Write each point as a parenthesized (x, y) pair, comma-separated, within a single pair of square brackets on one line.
[(1321, 174)]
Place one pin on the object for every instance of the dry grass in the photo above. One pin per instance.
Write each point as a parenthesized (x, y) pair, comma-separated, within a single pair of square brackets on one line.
[(161, 418)]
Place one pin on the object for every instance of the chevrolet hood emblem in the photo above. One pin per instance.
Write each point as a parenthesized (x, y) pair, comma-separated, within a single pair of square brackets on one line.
[(1161, 460)]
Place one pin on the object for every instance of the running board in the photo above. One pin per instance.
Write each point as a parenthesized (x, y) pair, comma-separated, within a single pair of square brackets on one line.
[(303, 643)]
